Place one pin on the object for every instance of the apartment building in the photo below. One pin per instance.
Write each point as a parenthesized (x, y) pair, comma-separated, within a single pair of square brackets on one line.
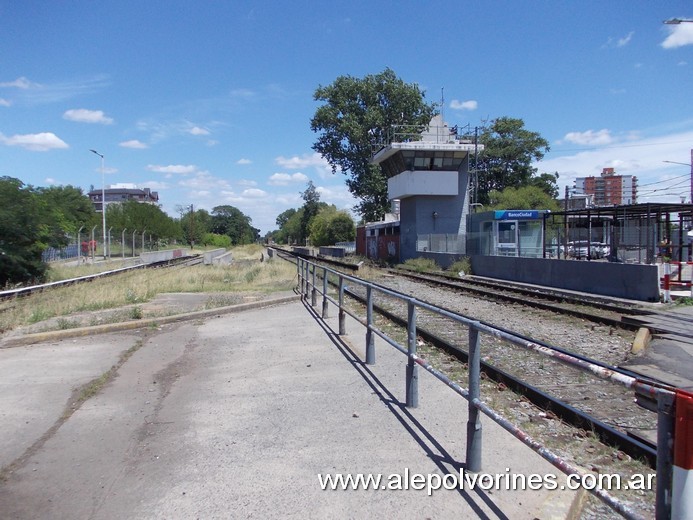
[(609, 189)]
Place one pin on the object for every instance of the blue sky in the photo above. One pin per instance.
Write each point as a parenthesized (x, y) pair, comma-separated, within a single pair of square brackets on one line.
[(209, 102)]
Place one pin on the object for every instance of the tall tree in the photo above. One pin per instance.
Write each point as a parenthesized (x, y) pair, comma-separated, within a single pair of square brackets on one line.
[(229, 220), (311, 206), (506, 161), (356, 116), (67, 208), (330, 226), (24, 234)]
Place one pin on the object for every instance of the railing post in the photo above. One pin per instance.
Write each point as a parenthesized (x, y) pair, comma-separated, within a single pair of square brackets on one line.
[(474, 420), (314, 291), (370, 343), (342, 314), (324, 293), (307, 277), (412, 367), (299, 278), (665, 447)]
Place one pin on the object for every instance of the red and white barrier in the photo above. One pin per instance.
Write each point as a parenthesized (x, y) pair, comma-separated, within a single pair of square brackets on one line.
[(667, 283), (682, 484)]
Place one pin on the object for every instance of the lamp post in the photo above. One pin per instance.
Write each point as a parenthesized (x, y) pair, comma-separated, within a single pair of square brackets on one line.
[(691, 166), (103, 201), (677, 21)]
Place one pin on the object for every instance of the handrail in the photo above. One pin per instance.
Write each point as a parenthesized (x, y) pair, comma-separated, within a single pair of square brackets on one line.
[(664, 397)]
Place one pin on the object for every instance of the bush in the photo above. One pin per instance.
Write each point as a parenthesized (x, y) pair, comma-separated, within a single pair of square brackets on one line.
[(463, 265), (421, 265), (216, 240)]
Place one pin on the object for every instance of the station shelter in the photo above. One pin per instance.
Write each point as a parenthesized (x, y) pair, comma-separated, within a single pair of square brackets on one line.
[(517, 233)]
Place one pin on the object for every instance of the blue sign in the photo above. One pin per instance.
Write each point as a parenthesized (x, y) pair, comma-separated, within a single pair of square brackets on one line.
[(517, 214)]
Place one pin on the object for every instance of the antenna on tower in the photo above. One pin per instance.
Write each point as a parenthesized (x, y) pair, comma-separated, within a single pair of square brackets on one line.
[(442, 104)]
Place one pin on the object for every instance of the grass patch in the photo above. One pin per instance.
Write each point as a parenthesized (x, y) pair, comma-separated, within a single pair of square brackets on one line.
[(142, 285), (463, 265), (421, 265)]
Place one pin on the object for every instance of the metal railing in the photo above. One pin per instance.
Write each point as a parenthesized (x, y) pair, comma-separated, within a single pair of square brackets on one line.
[(660, 399)]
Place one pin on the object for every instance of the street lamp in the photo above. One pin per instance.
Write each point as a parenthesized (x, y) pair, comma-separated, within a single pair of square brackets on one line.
[(686, 164), (103, 201), (677, 21)]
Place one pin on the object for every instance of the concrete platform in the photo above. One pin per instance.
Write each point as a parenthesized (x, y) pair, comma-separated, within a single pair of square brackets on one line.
[(236, 416)]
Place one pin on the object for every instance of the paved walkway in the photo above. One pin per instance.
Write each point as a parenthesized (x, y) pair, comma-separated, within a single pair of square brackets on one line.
[(235, 417)]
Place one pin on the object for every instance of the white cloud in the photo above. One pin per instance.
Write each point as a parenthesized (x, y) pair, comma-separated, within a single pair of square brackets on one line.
[(173, 168), (304, 161), (254, 193), (196, 130), (679, 35), (244, 161), (22, 83), (246, 182), (41, 142), (4, 102), (463, 105), (134, 143), (50, 181), (284, 179), (589, 138), (622, 42), (205, 181), (82, 115), (32, 93)]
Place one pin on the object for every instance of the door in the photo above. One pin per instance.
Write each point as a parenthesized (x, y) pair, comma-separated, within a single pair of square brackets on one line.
[(506, 238)]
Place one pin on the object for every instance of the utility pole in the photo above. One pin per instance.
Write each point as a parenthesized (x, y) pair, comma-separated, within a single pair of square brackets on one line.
[(192, 228)]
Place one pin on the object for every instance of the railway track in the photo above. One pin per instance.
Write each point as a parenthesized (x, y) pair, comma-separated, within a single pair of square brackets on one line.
[(610, 414), (26, 291), (594, 309)]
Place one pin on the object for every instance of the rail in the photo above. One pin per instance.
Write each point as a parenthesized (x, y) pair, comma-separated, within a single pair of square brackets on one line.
[(658, 398)]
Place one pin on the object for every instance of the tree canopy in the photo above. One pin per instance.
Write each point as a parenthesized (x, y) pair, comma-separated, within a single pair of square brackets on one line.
[(356, 116), (229, 220), (506, 161), (524, 197), (330, 226)]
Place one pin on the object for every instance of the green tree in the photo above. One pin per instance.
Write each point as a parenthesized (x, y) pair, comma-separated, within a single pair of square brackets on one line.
[(194, 225), (66, 209), (331, 226), (284, 217), (547, 182), (24, 234), (311, 206), (290, 231), (357, 115), (148, 218), (524, 197), (506, 161), (228, 220)]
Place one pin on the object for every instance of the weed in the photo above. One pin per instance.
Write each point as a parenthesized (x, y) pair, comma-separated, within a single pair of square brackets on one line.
[(463, 265), (686, 300), (421, 265), (135, 313), (64, 324)]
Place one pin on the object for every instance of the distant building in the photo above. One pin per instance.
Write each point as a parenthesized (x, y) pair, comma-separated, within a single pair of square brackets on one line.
[(119, 193), (609, 189)]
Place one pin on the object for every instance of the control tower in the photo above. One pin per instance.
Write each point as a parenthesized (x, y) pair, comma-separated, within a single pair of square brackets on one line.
[(428, 172)]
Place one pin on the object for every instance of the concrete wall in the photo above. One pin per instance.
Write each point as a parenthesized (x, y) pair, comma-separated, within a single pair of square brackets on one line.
[(160, 256), (209, 256), (337, 252), (630, 281), (223, 259)]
